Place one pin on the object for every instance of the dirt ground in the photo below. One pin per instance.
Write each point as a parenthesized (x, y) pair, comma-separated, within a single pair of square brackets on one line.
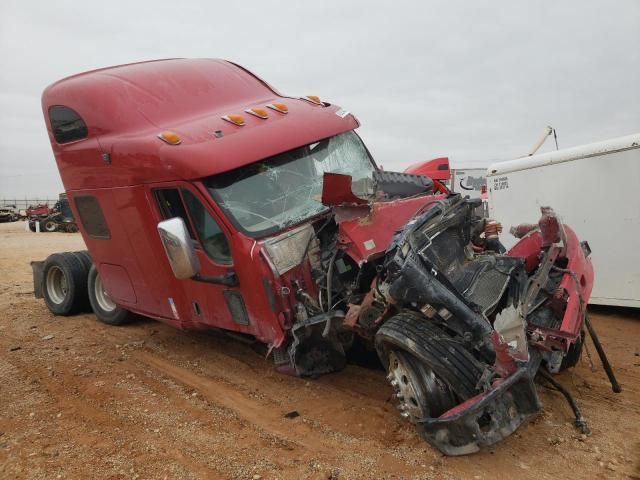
[(79, 399)]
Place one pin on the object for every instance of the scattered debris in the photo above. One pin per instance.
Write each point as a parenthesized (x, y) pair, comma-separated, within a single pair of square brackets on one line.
[(48, 337), (292, 414)]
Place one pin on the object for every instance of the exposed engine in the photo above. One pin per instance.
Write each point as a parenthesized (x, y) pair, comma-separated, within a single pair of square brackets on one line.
[(475, 281), (461, 326)]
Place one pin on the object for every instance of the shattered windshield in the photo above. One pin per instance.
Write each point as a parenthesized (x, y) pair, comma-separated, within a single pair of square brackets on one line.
[(267, 196)]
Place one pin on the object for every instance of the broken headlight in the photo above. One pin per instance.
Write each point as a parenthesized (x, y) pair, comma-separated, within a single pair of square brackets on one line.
[(285, 251)]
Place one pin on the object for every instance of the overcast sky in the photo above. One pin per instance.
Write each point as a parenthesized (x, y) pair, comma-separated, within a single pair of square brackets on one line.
[(473, 80)]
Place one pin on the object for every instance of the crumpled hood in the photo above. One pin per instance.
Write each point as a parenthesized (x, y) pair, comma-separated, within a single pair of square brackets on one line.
[(366, 231)]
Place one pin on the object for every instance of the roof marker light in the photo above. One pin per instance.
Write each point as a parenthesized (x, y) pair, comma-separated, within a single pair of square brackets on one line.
[(278, 107), (169, 137), (313, 99), (258, 112), (235, 119)]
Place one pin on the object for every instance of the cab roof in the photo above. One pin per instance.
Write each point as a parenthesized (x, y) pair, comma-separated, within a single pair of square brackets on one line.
[(126, 107)]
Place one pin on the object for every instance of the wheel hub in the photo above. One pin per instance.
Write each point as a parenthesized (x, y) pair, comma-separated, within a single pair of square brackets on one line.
[(56, 284), (102, 297), (417, 390)]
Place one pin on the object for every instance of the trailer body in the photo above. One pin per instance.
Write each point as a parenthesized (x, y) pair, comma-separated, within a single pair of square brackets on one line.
[(593, 187)]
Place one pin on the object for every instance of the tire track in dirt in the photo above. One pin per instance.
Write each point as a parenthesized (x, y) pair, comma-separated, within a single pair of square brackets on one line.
[(119, 413), (356, 397), (265, 417), (85, 412)]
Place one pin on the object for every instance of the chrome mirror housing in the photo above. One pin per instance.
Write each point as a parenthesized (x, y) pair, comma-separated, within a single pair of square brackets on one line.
[(178, 248)]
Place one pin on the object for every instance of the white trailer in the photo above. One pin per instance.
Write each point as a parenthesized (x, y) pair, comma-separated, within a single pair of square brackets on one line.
[(594, 189)]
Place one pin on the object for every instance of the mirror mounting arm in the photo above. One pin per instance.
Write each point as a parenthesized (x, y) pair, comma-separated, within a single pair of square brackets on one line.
[(229, 279)]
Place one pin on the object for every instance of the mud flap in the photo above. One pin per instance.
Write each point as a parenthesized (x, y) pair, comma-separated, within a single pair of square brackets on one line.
[(483, 420), (38, 273)]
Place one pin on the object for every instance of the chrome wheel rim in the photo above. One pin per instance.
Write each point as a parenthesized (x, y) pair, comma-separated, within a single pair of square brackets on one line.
[(102, 297), (418, 392), (57, 286)]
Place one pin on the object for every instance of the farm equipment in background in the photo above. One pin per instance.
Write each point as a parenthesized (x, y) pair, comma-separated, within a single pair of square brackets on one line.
[(57, 219), (40, 210)]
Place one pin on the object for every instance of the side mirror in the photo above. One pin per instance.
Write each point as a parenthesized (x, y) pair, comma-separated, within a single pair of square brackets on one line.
[(178, 247)]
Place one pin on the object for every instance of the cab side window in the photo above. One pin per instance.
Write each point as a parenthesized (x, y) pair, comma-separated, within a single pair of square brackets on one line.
[(171, 206), (201, 225), (66, 124), (213, 239), (92, 217)]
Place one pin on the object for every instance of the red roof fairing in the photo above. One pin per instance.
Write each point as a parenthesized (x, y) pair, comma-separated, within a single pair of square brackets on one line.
[(126, 107)]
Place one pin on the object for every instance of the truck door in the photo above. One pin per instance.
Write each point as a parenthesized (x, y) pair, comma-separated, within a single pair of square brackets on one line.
[(216, 305)]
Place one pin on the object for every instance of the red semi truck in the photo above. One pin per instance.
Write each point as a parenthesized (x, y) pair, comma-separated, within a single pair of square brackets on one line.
[(209, 200)]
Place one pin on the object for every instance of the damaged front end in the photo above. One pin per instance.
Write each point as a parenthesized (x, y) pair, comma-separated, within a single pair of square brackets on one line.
[(461, 326), (480, 322)]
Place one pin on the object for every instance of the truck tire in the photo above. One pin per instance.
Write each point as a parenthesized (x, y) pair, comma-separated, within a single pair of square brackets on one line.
[(32, 225), (49, 226), (103, 306), (65, 284), (85, 258), (429, 369)]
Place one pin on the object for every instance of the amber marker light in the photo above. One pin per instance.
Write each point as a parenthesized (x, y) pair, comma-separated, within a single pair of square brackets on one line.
[(169, 137), (235, 119), (313, 99), (278, 107), (258, 112)]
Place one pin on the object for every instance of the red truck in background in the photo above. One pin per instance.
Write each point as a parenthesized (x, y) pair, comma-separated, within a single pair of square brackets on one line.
[(209, 200)]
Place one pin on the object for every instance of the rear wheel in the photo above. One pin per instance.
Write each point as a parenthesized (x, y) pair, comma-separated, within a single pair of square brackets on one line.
[(430, 371), (49, 225), (103, 305), (85, 258), (65, 284)]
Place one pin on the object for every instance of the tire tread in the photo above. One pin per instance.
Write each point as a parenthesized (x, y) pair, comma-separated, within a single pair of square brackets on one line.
[(76, 276), (448, 358), (119, 316)]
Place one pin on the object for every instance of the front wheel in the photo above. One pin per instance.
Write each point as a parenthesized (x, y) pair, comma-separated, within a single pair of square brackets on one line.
[(103, 305), (419, 393), (430, 371)]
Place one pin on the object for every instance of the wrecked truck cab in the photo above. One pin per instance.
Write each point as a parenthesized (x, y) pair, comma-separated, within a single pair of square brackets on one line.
[(209, 200)]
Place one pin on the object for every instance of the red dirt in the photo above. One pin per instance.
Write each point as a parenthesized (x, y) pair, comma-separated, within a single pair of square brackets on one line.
[(149, 401)]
